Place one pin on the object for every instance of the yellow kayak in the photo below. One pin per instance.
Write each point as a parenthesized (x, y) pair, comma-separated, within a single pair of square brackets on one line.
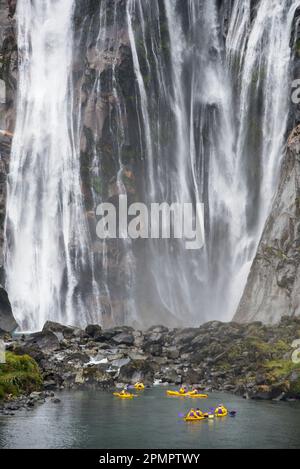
[(186, 394), (193, 419), (194, 416), (221, 411), (178, 394), (139, 386), (124, 396)]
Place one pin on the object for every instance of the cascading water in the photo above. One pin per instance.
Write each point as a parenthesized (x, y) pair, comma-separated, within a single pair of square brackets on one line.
[(46, 235), (105, 103), (259, 57), (226, 110), (202, 118)]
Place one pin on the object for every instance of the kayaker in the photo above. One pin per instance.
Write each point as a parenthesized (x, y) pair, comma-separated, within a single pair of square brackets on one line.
[(191, 413), (183, 390)]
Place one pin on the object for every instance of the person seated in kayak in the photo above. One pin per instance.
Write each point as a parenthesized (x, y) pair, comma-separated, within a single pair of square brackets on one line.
[(183, 390), (199, 413), (221, 409), (124, 392), (191, 414)]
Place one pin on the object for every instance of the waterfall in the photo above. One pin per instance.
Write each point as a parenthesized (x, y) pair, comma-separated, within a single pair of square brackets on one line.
[(46, 234), (217, 115), (200, 117), (101, 39), (259, 56)]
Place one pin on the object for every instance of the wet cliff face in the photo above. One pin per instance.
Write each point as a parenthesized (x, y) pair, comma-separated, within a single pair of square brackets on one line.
[(106, 99), (145, 105), (114, 154), (273, 287)]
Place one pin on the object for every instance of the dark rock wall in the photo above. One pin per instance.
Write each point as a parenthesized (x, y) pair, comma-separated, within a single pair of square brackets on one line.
[(105, 94), (8, 86)]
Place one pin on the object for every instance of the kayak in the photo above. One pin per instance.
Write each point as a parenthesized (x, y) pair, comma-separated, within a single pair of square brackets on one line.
[(178, 394), (193, 419), (194, 416), (186, 394), (124, 396), (139, 386), (223, 412)]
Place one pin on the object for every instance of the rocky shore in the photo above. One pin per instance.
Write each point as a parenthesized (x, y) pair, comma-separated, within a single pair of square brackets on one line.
[(11, 406), (252, 360)]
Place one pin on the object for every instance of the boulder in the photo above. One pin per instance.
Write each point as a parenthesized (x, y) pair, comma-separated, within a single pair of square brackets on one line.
[(47, 342), (27, 349), (171, 376), (66, 331), (185, 335), (194, 376), (125, 338), (120, 362), (158, 329), (79, 357), (93, 330), (7, 320), (172, 353), (201, 340), (137, 371), (153, 349), (98, 375), (105, 335)]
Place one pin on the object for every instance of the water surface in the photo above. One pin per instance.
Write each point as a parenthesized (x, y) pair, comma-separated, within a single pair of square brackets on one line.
[(96, 419)]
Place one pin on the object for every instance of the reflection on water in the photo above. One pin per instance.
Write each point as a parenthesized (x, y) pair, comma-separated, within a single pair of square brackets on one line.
[(95, 419)]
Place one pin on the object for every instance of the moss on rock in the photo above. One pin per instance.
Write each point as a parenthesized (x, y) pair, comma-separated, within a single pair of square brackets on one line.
[(19, 375)]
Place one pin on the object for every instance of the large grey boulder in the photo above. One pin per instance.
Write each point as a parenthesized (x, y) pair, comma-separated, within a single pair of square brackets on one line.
[(7, 320)]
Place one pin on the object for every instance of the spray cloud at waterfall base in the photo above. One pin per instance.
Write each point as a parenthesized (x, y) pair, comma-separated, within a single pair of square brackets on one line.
[(156, 102), (163, 222)]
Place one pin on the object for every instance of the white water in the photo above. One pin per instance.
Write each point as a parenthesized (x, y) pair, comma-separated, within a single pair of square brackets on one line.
[(47, 238), (228, 109), (212, 122), (259, 59)]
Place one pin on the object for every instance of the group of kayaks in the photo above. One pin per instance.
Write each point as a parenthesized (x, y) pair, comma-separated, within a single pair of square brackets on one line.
[(183, 392), (193, 415), (124, 394)]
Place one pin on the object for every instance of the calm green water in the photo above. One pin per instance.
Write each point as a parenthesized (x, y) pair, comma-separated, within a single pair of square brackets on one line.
[(98, 420)]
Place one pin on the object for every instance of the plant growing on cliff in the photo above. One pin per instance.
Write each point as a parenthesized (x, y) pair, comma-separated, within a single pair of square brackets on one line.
[(19, 375)]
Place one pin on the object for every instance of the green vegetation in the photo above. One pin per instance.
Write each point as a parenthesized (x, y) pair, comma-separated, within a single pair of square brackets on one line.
[(281, 370), (19, 375)]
